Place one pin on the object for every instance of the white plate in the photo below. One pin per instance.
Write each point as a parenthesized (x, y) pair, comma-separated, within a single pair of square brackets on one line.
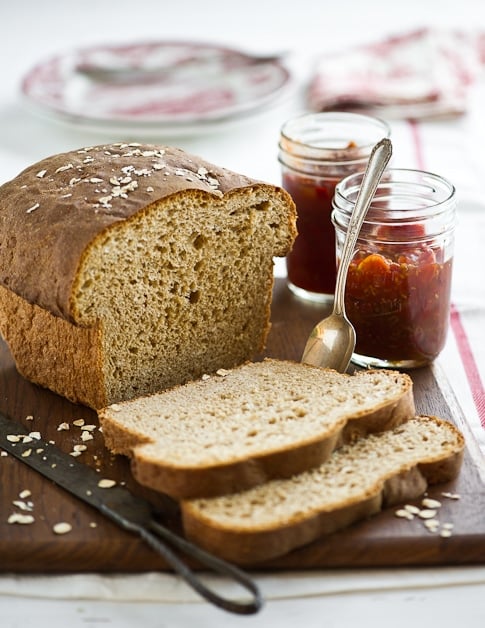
[(168, 87)]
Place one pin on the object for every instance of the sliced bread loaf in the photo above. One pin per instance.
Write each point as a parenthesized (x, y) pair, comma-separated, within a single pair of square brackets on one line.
[(357, 481), (126, 269), (259, 421)]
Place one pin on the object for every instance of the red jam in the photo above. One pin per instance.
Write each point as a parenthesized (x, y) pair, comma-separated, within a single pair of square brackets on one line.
[(311, 263), (398, 299)]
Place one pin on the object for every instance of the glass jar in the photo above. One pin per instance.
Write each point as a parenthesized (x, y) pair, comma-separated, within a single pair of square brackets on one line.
[(399, 281), (316, 151)]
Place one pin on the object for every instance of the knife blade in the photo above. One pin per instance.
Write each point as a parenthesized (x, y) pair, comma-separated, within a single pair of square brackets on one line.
[(130, 512)]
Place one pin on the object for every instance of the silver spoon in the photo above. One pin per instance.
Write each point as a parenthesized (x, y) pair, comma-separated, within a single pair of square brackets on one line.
[(332, 340)]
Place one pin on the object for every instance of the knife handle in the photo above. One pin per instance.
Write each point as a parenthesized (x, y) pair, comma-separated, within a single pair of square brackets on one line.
[(154, 536)]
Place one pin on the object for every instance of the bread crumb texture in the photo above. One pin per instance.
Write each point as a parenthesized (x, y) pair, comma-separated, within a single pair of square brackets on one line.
[(267, 417), (271, 519), (158, 265)]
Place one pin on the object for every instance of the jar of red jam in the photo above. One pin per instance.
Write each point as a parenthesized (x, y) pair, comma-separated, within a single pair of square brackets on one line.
[(398, 286), (316, 151)]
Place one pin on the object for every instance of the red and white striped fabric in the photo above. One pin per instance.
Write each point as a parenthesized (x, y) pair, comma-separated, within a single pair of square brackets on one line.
[(421, 74)]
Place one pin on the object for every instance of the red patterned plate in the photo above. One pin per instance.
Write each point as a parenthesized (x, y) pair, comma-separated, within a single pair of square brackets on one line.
[(163, 86)]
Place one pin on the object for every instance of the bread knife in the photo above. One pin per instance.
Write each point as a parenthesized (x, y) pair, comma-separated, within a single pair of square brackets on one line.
[(130, 512)]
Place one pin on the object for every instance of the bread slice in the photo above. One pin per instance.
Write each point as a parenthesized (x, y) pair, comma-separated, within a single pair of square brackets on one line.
[(357, 481), (126, 269), (245, 426)]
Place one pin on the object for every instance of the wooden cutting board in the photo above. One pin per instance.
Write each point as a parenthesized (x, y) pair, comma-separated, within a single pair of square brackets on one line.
[(96, 544)]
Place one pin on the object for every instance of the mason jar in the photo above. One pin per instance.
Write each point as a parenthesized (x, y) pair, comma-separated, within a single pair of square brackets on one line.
[(316, 151), (398, 286)]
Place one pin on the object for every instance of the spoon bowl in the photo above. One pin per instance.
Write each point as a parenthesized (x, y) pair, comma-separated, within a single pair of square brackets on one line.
[(332, 341)]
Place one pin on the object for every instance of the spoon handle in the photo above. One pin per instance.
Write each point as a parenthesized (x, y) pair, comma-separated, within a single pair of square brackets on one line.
[(378, 160)]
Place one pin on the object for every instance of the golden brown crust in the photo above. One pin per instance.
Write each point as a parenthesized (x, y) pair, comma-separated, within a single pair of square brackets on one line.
[(52, 352)]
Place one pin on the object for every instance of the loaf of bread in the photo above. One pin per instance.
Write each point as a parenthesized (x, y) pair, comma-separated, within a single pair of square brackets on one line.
[(357, 481), (242, 427), (126, 269)]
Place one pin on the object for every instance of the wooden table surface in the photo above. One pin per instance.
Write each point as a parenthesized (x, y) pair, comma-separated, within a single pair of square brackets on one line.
[(96, 544)]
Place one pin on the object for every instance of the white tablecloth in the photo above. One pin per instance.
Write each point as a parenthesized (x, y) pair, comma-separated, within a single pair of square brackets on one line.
[(453, 148)]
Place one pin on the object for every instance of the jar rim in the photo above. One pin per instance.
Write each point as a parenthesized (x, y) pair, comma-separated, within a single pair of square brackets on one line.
[(304, 135), (408, 177)]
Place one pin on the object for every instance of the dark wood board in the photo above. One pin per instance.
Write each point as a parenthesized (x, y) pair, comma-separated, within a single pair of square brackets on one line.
[(380, 541)]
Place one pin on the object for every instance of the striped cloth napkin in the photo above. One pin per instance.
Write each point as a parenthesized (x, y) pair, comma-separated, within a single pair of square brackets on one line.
[(425, 73)]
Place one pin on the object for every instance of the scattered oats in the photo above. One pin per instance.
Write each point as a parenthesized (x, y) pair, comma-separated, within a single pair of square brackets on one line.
[(451, 495), (205, 377), (445, 533), (3, 454), (427, 513), (105, 201), (73, 181), (53, 466), (114, 181), (29, 418), (39, 451), (158, 166), (133, 144), (88, 160), (86, 436), (13, 438), (432, 524), (78, 422), (62, 527), (26, 507), (222, 372), (404, 514), (33, 208), (180, 173), (93, 524), (127, 169), (106, 483), (63, 168), (36, 436), (27, 439), (202, 172), (430, 503), (41, 173), (88, 492), (89, 428), (21, 519), (95, 180), (448, 526), (63, 427), (80, 447), (26, 453), (25, 493), (75, 454), (414, 510), (68, 195), (149, 189)]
